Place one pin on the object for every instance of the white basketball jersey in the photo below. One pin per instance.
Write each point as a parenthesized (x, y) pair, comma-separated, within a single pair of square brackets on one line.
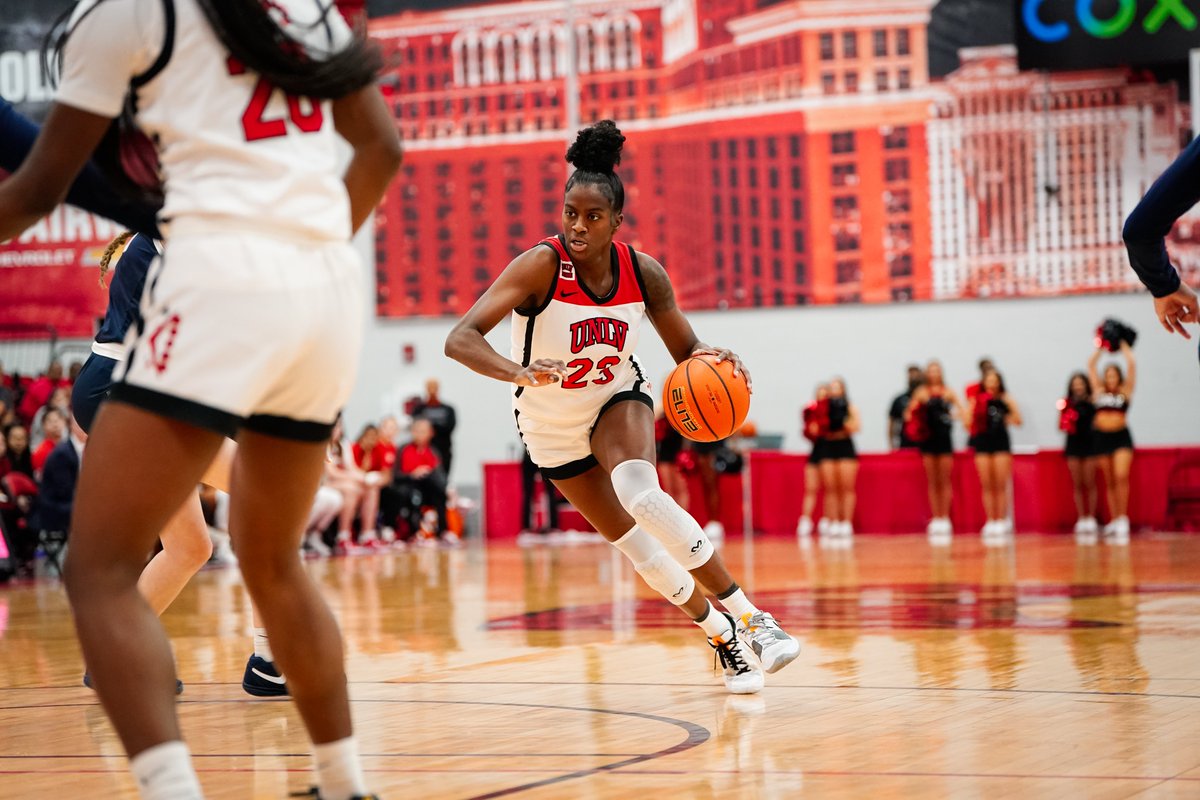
[(232, 147), (594, 336)]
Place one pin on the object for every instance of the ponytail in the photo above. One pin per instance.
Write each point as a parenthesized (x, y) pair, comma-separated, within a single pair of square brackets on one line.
[(110, 251)]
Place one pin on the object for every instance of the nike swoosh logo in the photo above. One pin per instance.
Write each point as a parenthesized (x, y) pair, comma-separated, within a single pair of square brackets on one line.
[(569, 294), (276, 680)]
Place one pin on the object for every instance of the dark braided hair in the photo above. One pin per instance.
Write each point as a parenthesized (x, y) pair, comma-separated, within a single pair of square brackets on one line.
[(252, 35), (595, 153)]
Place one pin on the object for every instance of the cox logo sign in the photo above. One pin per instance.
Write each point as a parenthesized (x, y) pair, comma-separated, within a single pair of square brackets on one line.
[(1124, 17)]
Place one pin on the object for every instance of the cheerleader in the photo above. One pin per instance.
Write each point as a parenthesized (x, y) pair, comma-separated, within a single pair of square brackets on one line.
[(1076, 411), (839, 461), (1111, 440), (931, 412), (991, 410), (815, 419)]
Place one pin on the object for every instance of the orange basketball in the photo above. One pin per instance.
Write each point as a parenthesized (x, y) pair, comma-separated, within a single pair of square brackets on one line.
[(704, 401)]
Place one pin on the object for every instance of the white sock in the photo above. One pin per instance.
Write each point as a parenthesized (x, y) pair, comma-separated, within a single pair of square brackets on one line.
[(715, 624), (164, 772), (339, 770), (738, 605), (262, 645)]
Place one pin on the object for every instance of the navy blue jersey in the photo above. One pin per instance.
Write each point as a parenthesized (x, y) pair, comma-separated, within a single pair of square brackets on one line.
[(125, 289), (90, 191), (1175, 191)]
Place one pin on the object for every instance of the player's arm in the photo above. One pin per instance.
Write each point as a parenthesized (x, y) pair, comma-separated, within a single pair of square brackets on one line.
[(91, 191), (1146, 229), (853, 423), (1131, 369), (1014, 412), (41, 182), (523, 284), (362, 119), (672, 326)]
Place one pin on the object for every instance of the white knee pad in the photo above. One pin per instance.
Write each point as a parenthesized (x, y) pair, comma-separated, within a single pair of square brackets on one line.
[(636, 485), (663, 574)]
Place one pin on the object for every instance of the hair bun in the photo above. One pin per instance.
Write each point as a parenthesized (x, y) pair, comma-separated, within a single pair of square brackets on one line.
[(597, 148)]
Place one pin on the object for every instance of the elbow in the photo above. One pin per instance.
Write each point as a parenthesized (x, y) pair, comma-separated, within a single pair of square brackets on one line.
[(391, 152), (453, 346)]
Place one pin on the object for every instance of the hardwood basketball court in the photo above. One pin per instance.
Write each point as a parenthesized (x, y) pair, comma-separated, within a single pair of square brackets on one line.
[(1044, 670)]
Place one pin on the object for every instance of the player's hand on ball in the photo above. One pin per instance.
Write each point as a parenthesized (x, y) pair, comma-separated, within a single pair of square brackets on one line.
[(1176, 309), (724, 354), (543, 372)]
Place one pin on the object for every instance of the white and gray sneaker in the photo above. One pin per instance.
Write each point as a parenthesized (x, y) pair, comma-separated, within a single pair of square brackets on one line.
[(742, 673), (773, 647)]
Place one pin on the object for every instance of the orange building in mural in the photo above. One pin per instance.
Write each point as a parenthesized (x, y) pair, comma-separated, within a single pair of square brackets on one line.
[(776, 156)]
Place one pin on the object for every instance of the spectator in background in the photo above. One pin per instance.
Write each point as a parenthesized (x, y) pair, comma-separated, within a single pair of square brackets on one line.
[(985, 366), (815, 421), (989, 413), (52, 511), (361, 498), (931, 414), (8, 414), (1076, 412), (673, 461), (370, 461), (385, 451), (443, 419), (897, 434), (60, 398), (706, 468), (73, 372), (54, 431), (1111, 440), (37, 394), (420, 465), (839, 462), (529, 475), (18, 458)]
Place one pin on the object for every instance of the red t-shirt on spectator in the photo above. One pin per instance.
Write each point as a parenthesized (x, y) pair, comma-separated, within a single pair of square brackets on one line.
[(412, 457), (35, 397), (384, 456), (42, 452), (365, 461)]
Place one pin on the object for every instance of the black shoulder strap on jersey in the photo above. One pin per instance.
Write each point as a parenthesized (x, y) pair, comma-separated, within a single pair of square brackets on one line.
[(164, 55)]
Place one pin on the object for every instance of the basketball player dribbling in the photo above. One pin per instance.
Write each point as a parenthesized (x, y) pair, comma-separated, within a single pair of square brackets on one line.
[(243, 330), (584, 410)]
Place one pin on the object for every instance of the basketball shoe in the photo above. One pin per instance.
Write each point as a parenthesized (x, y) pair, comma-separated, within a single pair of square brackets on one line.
[(773, 647), (261, 679), (742, 675)]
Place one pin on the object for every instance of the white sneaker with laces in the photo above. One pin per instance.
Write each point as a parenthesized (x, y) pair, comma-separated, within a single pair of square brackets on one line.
[(823, 526), (773, 647), (804, 528), (742, 673), (1119, 534)]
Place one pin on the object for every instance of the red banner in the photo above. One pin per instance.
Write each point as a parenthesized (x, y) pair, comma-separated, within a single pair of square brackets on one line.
[(48, 276)]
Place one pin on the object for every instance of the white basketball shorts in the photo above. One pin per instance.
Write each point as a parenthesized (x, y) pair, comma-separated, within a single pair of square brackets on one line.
[(564, 450), (243, 330)]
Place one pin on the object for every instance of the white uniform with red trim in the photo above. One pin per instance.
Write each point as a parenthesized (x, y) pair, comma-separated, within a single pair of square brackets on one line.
[(253, 316), (595, 337)]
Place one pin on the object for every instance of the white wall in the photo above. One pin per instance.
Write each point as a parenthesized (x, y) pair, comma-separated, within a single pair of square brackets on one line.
[(1036, 344)]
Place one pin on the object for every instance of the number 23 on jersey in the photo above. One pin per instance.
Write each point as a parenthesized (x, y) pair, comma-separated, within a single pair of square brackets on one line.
[(255, 123)]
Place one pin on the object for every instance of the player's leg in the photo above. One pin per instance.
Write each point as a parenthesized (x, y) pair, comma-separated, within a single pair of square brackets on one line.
[(1002, 475), (274, 481), (593, 496), (623, 443), (139, 469), (186, 547), (1122, 463), (848, 481), (833, 496), (983, 468)]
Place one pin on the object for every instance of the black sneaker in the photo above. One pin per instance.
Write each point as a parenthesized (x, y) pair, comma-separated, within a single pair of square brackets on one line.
[(262, 679), (315, 794), (87, 681)]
